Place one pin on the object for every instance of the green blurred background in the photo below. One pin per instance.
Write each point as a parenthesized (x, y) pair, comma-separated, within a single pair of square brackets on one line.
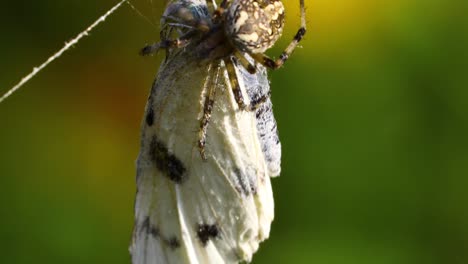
[(372, 114)]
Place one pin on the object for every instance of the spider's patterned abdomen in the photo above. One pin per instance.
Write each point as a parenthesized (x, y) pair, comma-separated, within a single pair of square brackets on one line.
[(254, 25)]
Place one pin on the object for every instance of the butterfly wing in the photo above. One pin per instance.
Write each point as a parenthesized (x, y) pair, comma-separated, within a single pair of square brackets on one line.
[(188, 210), (257, 87)]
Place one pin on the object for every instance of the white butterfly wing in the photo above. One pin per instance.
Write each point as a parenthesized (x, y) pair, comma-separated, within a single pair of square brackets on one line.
[(188, 210)]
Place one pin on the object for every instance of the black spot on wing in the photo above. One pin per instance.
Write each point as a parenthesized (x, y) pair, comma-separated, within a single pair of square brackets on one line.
[(173, 243), (166, 162), (150, 116), (145, 225), (206, 232), (151, 230), (154, 231)]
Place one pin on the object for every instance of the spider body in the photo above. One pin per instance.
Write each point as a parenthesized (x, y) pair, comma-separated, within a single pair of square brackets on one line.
[(254, 26), (236, 27)]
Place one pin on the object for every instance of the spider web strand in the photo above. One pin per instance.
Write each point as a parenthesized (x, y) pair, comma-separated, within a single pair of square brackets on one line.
[(59, 53)]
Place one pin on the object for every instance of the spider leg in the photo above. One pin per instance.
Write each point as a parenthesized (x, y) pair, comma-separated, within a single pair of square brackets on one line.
[(167, 44), (184, 20), (236, 89), (275, 64), (224, 3), (213, 3), (245, 63), (218, 14), (210, 87)]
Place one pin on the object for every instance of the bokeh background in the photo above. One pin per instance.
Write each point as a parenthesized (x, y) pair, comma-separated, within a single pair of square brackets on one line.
[(372, 113)]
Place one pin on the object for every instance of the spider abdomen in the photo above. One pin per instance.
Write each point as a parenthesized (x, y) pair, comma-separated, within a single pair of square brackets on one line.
[(254, 25)]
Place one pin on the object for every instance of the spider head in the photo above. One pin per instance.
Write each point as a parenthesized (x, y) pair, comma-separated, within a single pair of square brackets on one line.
[(254, 25)]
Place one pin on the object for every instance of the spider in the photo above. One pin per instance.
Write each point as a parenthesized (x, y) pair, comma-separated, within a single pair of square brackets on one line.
[(235, 28)]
